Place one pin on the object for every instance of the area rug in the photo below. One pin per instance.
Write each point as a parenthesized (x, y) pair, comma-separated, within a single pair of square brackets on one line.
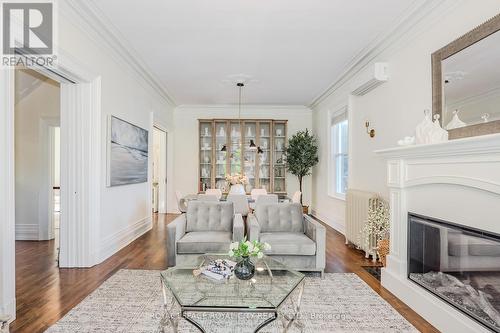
[(131, 301)]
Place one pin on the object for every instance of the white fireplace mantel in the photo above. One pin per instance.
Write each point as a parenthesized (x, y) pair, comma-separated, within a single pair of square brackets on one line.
[(456, 181)]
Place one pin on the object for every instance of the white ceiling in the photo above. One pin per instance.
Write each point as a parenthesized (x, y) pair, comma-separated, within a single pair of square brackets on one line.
[(291, 49)]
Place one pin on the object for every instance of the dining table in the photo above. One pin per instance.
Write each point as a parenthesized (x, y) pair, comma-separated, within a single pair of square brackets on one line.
[(194, 197)]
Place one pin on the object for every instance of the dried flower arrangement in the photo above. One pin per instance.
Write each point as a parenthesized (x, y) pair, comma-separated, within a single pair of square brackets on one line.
[(377, 224), (237, 178)]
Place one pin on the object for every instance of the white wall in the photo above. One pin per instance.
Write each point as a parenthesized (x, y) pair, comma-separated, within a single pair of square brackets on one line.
[(394, 108), (186, 138), (39, 100), (125, 210)]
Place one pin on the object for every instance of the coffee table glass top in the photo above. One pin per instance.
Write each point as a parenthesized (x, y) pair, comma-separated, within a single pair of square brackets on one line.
[(270, 286)]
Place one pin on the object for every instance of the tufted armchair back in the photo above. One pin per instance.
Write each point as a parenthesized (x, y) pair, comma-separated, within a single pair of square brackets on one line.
[(283, 217), (209, 216)]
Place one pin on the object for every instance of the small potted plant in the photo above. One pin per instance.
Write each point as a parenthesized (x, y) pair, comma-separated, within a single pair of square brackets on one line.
[(245, 269), (301, 156)]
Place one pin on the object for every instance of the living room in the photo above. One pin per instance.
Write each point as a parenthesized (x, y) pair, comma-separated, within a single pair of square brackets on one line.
[(300, 166)]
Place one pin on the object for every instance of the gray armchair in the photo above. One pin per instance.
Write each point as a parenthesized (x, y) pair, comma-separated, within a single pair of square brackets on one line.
[(206, 227), (296, 240)]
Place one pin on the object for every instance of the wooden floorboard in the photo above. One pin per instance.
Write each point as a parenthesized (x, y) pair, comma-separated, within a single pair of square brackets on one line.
[(46, 293)]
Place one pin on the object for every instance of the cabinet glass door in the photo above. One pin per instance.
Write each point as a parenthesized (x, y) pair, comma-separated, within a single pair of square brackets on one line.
[(206, 140), (250, 153), (221, 135), (278, 149), (235, 148), (264, 158)]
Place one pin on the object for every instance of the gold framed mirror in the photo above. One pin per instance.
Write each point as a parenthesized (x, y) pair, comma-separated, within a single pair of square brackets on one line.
[(466, 82)]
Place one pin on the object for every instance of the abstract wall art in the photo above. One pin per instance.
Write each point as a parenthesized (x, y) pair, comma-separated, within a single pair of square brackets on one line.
[(127, 153)]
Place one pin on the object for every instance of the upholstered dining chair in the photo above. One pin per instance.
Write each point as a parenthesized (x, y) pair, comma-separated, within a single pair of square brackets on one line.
[(181, 205), (207, 197), (296, 197), (266, 199), (240, 202), (256, 192), (214, 191)]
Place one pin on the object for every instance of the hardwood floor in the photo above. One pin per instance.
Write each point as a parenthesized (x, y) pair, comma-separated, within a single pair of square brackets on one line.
[(45, 293)]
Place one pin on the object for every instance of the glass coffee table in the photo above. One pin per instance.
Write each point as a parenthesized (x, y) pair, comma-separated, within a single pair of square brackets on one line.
[(272, 286)]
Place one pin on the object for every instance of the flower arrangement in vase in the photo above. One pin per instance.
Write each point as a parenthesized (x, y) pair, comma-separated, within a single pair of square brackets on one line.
[(245, 269), (238, 182)]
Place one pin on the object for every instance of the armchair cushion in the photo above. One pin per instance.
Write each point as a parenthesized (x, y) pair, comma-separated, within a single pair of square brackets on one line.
[(209, 216), (204, 242), (283, 217), (289, 243)]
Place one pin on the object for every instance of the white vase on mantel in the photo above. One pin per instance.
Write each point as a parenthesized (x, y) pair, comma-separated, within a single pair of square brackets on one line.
[(438, 134), (424, 128), (237, 189), (430, 132)]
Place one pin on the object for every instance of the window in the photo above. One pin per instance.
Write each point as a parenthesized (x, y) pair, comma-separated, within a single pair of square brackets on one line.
[(339, 155)]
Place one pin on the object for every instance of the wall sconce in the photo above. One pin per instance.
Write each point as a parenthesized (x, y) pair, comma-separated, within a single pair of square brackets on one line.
[(369, 131)]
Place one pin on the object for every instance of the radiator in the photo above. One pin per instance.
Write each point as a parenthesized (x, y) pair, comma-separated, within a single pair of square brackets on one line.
[(358, 204)]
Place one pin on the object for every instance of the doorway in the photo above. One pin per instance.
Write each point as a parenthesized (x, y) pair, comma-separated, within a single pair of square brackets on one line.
[(37, 145), (159, 182), (80, 131), (55, 184)]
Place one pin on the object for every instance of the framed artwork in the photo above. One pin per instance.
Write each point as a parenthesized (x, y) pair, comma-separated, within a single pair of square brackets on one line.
[(127, 153)]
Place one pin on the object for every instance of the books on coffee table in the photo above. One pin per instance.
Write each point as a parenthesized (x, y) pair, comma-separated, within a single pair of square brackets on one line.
[(219, 269)]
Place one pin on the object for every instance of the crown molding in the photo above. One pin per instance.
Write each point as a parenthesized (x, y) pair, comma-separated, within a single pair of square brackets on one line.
[(244, 106), (86, 16), (416, 18), (257, 109)]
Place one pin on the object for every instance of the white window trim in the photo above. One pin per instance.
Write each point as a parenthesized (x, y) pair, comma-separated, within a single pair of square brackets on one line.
[(331, 158)]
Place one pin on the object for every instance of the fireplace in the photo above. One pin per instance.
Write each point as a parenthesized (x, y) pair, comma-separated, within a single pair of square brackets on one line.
[(459, 264)]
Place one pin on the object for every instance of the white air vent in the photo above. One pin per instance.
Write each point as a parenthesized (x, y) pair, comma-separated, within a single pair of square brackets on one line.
[(375, 77)]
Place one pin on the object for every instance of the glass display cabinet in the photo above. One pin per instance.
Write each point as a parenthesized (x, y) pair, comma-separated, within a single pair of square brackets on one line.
[(233, 154), (206, 155), (250, 154), (220, 166), (264, 158), (261, 159), (279, 170)]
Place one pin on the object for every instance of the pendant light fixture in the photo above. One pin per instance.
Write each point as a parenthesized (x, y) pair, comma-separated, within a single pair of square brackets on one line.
[(252, 146)]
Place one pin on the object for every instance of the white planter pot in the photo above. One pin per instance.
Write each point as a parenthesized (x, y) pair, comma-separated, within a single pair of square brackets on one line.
[(237, 189)]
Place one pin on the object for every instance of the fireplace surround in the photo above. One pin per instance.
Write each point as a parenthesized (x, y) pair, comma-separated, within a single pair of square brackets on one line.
[(459, 264), (455, 181)]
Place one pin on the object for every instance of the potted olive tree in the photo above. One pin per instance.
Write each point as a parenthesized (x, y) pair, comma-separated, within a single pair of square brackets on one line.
[(301, 156)]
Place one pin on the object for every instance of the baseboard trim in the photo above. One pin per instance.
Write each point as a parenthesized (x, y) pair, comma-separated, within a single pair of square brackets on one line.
[(335, 225), (9, 310), (27, 232), (117, 241)]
